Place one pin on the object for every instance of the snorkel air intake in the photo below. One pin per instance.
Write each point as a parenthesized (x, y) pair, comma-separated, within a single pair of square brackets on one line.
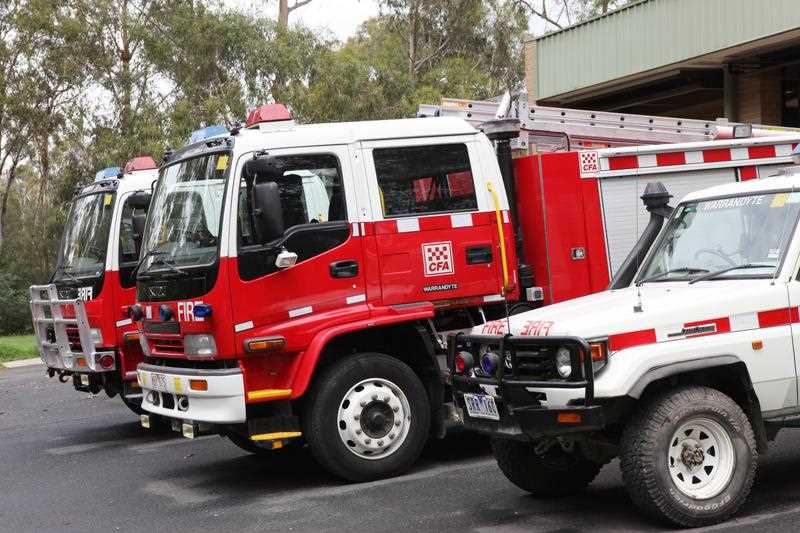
[(656, 200)]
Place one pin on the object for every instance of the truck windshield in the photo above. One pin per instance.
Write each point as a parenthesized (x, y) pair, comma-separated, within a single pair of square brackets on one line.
[(83, 247), (741, 236), (183, 229)]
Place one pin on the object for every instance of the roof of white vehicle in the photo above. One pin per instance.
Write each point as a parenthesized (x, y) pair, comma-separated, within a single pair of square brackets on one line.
[(763, 185), (280, 135)]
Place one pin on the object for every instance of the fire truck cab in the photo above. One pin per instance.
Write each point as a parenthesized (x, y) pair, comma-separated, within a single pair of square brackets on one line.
[(81, 317), (293, 279)]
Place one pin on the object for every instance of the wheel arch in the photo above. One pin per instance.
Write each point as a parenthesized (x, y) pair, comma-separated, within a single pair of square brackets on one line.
[(726, 373), (410, 341)]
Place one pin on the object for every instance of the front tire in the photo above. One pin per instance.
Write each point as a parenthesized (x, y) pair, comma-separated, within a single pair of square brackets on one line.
[(553, 473), (689, 457), (367, 417)]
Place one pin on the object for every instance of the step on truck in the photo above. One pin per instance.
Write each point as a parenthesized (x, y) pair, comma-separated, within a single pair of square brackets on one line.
[(685, 373), (297, 281), (80, 318)]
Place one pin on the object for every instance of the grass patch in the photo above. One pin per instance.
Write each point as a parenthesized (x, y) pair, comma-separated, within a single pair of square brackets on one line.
[(17, 347)]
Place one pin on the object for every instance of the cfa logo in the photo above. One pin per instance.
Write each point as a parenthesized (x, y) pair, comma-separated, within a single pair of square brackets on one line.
[(85, 293), (438, 258), (589, 162)]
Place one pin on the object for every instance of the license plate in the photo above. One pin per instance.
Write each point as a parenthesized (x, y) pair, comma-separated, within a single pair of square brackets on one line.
[(481, 406), (159, 382)]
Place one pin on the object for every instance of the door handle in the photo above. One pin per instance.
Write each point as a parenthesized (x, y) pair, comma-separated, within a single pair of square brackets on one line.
[(479, 254), (344, 269)]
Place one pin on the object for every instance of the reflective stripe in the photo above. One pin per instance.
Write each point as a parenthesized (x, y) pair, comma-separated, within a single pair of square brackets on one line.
[(243, 326), (300, 311), (358, 298)]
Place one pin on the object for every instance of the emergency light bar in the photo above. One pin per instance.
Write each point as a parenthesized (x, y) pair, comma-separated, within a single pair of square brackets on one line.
[(207, 133), (268, 113), (107, 173), (142, 162)]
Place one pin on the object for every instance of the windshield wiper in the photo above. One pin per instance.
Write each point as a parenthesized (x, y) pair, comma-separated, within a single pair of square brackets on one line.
[(169, 265), (151, 253), (64, 271), (728, 269), (683, 270)]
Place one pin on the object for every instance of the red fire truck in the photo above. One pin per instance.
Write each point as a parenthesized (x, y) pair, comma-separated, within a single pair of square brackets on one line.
[(81, 317), (297, 280)]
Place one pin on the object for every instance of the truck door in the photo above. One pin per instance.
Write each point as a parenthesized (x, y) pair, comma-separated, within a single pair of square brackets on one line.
[(316, 192), (432, 241)]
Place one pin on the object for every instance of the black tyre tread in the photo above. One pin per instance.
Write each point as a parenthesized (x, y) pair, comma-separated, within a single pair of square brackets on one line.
[(325, 385), (638, 447), (524, 469)]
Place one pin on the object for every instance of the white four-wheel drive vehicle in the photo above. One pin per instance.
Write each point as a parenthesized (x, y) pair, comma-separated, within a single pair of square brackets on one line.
[(685, 375)]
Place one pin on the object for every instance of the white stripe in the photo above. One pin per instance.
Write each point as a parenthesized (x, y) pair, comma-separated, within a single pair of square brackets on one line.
[(461, 220), (405, 225), (358, 298), (744, 321), (244, 326), (505, 217), (124, 322), (355, 229), (363, 229), (739, 153), (604, 163), (693, 158), (493, 298), (300, 311), (783, 150), (148, 312), (647, 160)]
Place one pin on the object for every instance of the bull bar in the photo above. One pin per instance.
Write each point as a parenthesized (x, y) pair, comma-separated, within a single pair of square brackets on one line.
[(50, 327), (522, 404)]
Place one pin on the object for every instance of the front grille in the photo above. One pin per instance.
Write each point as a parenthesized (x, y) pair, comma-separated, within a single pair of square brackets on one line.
[(169, 326), (166, 346), (536, 364), (74, 338)]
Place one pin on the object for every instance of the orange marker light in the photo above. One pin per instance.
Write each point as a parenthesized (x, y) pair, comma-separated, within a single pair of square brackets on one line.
[(80, 361), (568, 418), (198, 384), (758, 345), (598, 351), (267, 344)]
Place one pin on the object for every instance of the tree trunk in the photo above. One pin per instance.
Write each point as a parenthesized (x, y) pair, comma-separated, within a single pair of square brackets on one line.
[(413, 31), (125, 75), (12, 173), (283, 13)]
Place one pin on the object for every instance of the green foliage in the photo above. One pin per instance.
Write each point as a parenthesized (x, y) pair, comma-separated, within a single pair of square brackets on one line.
[(91, 83)]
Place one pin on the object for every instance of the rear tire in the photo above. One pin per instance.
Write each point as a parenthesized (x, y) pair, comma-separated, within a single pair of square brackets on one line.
[(689, 457), (367, 417), (556, 473)]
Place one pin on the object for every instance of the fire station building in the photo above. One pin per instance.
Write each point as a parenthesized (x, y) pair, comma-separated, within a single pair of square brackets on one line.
[(704, 59)]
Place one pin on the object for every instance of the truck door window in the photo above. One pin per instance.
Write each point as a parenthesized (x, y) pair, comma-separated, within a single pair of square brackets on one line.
[(417, 180), (129, 243), (313, 205)]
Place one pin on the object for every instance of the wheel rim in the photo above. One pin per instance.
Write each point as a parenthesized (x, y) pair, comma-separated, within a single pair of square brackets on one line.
[(701, 458), (374, 418)]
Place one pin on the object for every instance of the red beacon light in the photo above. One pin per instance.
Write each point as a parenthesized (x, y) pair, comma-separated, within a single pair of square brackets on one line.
[(269, 113), (142, 162)]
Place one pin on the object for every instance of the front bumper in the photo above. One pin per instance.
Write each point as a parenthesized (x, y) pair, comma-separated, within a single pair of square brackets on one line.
[(529, 409), (60, 326), (166, 391)]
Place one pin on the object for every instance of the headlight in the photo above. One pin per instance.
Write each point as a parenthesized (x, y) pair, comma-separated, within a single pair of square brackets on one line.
[(199, 346), (97, 337), (145, 345), (563, 362)]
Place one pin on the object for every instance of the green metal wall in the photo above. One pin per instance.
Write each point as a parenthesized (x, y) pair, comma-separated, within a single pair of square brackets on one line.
[(652, 34)]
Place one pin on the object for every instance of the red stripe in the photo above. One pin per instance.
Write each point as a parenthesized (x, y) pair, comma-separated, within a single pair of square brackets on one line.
[(719, 154), (778, 317), (623, 162), (383, 227), (670, 158), (761, 152), (620, 341), (433, 223), (748, 173)]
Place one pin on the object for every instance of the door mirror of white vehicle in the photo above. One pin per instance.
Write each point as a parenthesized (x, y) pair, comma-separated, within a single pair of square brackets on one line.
[(267, 212), (285, 259)]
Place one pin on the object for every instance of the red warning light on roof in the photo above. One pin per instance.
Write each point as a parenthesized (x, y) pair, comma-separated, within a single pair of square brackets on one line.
[(142, 162), (268, 113)]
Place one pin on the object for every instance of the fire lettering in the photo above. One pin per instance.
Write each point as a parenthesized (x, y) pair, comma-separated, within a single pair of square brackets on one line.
[(536, 328)]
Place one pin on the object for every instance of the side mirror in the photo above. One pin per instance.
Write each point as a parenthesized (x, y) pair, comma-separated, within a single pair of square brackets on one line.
[(140, 200), (267, 212)]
